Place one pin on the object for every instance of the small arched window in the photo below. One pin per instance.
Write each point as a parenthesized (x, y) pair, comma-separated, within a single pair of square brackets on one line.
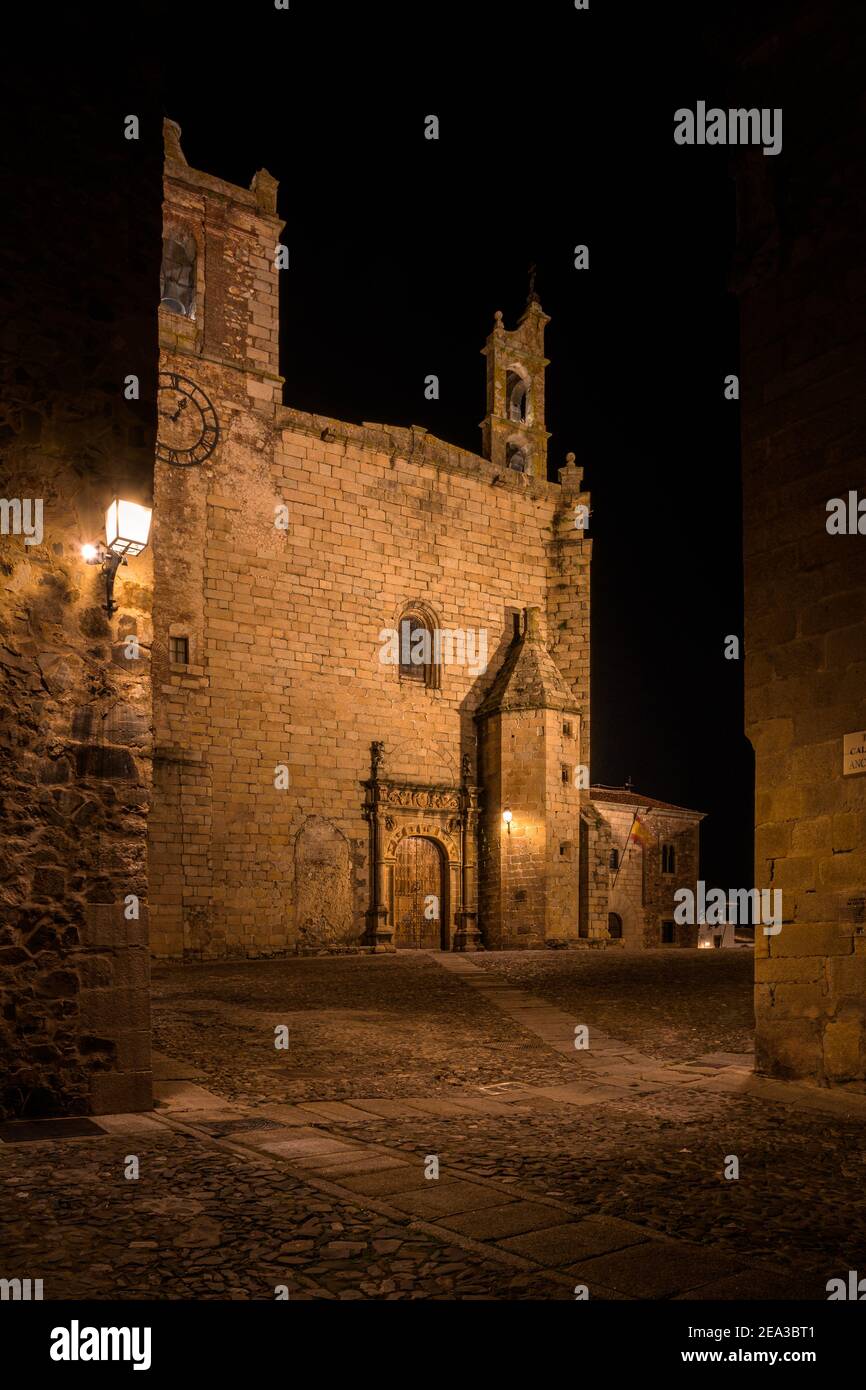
[(515, 458), (177, 276), (419, 655), (669, 859), (517, 396), (613, 861)]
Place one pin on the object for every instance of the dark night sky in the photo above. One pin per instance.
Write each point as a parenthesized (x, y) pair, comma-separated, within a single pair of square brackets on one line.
[(556, 129)]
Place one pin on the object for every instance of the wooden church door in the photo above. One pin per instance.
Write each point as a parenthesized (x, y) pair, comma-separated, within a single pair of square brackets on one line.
[(418, 897)]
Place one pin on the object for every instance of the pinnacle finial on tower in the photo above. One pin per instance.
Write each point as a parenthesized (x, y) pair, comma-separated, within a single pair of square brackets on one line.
[(532, 297), (265, 186), (171, 141)]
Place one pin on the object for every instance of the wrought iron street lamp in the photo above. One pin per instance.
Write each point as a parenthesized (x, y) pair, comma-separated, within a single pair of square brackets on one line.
[(127, 529)]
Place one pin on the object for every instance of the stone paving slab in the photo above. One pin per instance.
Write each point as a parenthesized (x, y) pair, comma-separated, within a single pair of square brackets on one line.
[(512, 1219), (349, 1165), (578, 1093), (402, 1178), (626, 1087), (210, 1121), (448, 1199), (663, 1078), (299, 1146), (726, 1059), (578, 1240), (728, 1081), (129, 1124), (167, 1068), (508, 1099), (435, 1105), (333, 1110), (286, 1114), (388, 1109), (657, 1269), (186, 1095), (483, 1106), (834, 1100)]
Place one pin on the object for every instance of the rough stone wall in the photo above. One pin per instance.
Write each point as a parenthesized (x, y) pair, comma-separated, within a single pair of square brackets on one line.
[(284, 624), (75, 704), (802, 294), (324, 905)]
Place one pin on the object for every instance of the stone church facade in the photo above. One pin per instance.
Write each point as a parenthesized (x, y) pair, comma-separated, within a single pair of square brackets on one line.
[(371, 648)]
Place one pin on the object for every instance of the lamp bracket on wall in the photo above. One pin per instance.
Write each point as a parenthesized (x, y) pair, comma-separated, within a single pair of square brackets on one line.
[(127, 527), (110, 564)]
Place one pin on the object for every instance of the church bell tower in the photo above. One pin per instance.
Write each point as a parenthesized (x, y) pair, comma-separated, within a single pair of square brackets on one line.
[(513, 433)]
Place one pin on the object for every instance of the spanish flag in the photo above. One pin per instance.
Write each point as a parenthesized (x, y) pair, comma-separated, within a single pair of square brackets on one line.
[(641, 834)]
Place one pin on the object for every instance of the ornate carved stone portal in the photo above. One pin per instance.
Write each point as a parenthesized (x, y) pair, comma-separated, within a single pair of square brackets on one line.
[(423, 863)]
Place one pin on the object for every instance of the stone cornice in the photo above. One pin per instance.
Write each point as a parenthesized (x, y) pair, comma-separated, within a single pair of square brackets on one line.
[(414, 445)]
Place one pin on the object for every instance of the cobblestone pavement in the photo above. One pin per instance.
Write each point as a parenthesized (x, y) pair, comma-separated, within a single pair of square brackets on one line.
[(799, 1204), (361, 1025), (672, 1004), (558, 1166), (201, 1223)]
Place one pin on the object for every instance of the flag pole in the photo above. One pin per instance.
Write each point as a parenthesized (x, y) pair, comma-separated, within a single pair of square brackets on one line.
[(627, 842), (622, 856)]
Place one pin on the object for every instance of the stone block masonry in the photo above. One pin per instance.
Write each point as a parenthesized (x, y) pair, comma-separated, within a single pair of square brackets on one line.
[(803, 313), (288, 626)]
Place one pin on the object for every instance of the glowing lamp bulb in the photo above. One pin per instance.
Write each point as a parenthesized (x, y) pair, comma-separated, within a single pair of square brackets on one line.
[(506, 816), (89, 553), (127, 527)]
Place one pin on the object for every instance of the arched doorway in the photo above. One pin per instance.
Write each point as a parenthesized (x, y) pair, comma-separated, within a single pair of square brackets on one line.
[(614, 926), (420, 906)]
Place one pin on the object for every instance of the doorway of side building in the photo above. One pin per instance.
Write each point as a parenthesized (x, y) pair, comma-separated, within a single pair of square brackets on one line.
[(614, 926), (420, 906)]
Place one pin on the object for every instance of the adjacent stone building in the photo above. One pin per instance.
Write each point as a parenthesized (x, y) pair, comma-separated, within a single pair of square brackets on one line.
[(802, 292), (653, 850), (371, 648)]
